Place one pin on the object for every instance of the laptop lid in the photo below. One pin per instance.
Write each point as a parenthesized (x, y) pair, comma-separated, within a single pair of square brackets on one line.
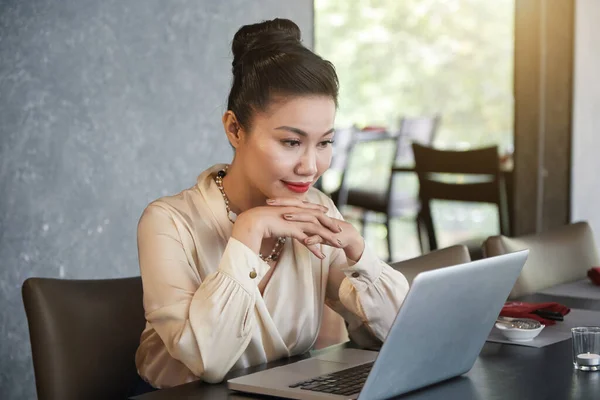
[(442, 325)]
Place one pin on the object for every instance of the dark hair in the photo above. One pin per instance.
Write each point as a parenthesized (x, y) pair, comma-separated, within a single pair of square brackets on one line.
[(270, 61)]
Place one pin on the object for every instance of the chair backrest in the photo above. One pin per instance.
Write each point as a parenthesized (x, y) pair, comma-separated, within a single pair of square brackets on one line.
[(483, 162), (421, 130), (342, 146), (446, 257), (481, 180), (558, 256), (370, 159), (84, 335)]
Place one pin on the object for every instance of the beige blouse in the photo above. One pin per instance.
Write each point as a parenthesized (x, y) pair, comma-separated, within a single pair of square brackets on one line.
[(206, 316)]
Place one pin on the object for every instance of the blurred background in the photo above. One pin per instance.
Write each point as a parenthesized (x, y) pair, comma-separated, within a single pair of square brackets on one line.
[(413, 58)]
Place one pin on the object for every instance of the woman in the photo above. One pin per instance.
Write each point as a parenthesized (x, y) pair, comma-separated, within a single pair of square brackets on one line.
[(236, 270)]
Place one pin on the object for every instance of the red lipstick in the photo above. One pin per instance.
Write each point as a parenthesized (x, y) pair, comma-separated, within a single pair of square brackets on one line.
[(297, 187)]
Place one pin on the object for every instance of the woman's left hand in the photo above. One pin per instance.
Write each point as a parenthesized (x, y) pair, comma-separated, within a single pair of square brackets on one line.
[(347, 238)]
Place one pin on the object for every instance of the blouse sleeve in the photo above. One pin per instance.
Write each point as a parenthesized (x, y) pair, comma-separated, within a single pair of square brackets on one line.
[(367, 294), (207, 324)]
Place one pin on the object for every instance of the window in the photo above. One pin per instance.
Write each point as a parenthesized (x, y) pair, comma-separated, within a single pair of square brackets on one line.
[(420, 57)]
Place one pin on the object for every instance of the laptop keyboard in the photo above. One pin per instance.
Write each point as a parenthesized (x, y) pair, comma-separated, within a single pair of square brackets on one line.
[(344, 382)]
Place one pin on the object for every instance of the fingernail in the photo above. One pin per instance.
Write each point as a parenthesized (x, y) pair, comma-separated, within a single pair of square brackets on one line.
[(287, 216), (310, 241), (340, 243), (270, 201)]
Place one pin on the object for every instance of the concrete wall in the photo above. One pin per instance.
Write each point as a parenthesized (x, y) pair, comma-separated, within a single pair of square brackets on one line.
[(104, 106), (585, 181)]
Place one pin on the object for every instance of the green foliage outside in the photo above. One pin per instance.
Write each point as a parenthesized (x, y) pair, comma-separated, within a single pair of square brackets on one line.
[(400, 58), (411, 57)]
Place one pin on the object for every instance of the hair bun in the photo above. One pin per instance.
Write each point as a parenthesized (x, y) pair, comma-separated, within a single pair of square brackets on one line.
[(266, 34)]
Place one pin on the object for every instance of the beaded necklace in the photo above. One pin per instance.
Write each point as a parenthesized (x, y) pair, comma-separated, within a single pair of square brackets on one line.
[(232, 216)]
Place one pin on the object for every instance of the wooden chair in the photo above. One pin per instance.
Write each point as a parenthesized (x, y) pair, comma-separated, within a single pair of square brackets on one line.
[(482, 181), (558, 256)]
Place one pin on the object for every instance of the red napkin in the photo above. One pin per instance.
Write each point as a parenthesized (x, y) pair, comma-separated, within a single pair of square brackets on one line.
[(594, 275), (517, 309)]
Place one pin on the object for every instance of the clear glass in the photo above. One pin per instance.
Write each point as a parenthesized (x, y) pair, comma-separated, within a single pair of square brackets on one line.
[(586, 348)]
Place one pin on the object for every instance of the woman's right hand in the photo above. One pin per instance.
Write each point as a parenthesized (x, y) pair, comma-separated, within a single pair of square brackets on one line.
[(253, 225)]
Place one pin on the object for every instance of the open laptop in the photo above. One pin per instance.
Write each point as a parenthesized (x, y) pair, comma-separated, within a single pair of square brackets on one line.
[(437, 335)]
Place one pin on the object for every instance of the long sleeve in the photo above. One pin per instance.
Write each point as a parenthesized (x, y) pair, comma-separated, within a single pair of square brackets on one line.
[(367, 294), (204, 324)]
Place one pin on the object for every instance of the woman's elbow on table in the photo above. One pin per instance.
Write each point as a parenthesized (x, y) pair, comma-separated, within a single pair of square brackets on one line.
[(214, 375)]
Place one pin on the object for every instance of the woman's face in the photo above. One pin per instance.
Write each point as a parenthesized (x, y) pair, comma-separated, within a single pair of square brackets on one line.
[(289, 146)]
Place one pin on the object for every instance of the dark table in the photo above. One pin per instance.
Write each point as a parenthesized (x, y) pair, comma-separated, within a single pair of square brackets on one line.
[(501, 371)]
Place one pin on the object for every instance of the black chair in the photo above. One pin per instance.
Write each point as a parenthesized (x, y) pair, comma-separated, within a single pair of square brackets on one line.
[(384, 197), (367, 183), (481, 181), (84, 335)]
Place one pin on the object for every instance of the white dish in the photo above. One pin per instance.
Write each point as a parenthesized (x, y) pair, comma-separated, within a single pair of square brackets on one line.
[(519, 335)]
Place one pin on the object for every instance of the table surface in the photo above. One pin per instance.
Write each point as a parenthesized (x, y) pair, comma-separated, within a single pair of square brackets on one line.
[(583, 288), (502, 371)]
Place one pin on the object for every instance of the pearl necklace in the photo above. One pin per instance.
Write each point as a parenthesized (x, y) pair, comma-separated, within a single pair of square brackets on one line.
[(232, 217)]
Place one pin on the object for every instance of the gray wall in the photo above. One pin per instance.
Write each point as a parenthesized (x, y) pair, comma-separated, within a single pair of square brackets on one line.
[(585, 187), (104, 106)]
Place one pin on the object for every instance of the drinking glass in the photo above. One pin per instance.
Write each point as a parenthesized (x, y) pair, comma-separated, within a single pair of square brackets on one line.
[(586, 348)]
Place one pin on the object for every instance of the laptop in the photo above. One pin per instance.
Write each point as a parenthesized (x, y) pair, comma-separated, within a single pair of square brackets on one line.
[(437, 335)]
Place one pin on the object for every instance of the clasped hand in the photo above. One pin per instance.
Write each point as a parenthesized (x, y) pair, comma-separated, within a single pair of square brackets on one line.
[(304, 221)]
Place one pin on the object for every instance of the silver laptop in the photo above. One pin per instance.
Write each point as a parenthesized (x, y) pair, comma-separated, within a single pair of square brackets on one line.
[(437, 335)]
